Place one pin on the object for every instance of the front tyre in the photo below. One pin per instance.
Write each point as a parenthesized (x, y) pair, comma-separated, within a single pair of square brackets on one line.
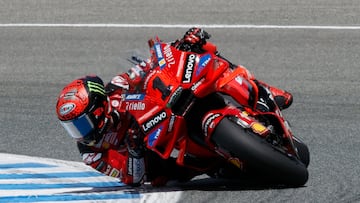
[(303, 151), (259, 155)]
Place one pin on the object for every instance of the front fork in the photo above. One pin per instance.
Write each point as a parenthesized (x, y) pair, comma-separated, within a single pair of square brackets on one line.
[(246, 93)]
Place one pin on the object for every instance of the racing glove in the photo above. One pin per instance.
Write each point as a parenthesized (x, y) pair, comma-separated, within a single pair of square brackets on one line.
[(193, 40), (196, 36)]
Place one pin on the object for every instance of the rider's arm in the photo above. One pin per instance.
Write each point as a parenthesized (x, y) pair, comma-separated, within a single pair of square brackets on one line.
[(130, 80), (114, 163), (195, 40), (109, 162)]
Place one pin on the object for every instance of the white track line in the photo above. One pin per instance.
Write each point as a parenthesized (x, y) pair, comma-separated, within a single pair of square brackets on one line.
[(317, 27)]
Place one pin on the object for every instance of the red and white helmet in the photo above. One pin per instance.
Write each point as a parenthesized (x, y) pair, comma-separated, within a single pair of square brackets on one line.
[(82, 109)]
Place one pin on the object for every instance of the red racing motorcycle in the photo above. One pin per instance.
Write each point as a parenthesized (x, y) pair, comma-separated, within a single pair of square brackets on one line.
[(191, 109)]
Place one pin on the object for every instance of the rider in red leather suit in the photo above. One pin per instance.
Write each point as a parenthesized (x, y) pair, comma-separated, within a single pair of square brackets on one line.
[(107, 138)]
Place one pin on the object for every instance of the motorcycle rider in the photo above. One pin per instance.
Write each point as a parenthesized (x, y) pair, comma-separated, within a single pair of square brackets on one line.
[(108, 139)]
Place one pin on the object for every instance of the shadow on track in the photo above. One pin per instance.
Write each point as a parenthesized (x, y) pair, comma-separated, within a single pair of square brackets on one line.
[(205, 184), (212, 184)]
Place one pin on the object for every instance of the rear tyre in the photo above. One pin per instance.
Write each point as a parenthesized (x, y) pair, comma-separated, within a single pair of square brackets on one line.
[(259, 155)]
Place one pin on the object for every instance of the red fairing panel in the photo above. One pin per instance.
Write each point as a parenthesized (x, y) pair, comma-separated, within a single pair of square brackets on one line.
[(234, 83)]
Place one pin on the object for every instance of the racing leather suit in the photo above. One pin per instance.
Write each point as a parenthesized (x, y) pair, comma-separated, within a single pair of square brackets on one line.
[(115, 154), (121, 156)]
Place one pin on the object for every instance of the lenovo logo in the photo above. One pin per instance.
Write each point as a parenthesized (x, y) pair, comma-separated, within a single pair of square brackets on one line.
[(150, 124), (189, 68)]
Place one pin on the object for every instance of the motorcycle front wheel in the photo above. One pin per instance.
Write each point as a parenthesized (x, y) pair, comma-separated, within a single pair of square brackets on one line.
[(303, 151), (259, 155)]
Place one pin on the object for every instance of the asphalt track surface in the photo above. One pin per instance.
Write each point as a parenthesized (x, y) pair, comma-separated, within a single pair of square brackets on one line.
[(319, 66)]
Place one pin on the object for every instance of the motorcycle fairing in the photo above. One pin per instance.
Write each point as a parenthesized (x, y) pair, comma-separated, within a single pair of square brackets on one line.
[(235, 84), (186, 67)]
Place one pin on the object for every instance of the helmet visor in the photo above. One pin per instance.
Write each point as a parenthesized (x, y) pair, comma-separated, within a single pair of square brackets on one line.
[(80, 127)]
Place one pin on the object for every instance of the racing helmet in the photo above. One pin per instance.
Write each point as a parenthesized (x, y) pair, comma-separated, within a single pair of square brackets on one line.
[(82, 108)]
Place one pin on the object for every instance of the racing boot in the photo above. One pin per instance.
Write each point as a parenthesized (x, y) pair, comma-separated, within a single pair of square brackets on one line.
[(282, 98)]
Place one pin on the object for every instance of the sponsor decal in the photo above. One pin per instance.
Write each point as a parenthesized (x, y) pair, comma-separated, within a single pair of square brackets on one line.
[(209, 122), (130, 166), (115, 103), (242, 123), (236, 162), (139, 170), (154, 136), (135, 168), (66, 108), (239, 80), (70, 94), (159, 55), (171, 123), (134, 106), (202, 63), (101, 166), (95, 87), (129, 97), (189, 68), (151, 123), (120, 82), (111, 138), (162, 63), (259, 128), (244, 120), (169, 55), (114, 173), (174, 97), (90, 158), (196, 85), (158, 50)]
